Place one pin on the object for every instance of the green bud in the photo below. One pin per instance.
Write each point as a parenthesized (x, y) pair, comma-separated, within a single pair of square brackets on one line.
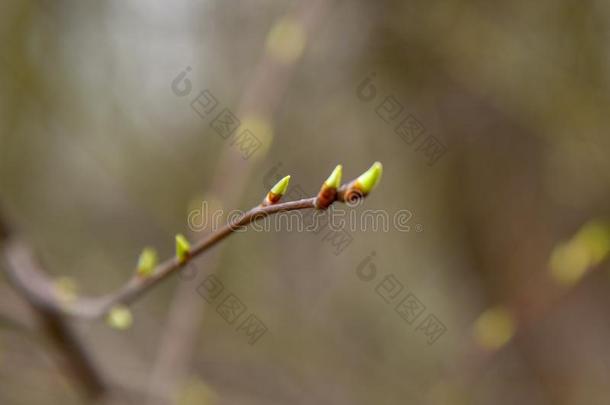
[(183, 248), (277, 191), (369, 179), (280, 188), (334, 180), (147, 262)]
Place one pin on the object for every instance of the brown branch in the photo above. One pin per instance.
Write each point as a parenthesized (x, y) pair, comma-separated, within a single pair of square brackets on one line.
[(73, 356), (26, 275), (53, 308), (41, 290)]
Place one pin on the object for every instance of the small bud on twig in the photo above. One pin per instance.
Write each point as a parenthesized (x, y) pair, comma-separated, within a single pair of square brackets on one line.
[(328, 192), (334, 180), (147, 262), (119, 317), (276, 192), (369, 179), (183, 248), (363, 185)]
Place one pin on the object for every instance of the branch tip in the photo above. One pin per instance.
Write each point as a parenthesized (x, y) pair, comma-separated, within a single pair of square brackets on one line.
[(367, 181)]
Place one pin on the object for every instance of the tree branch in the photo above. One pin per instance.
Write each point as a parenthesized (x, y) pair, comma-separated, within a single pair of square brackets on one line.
[(73, 356), (53, 307), (42, 291)]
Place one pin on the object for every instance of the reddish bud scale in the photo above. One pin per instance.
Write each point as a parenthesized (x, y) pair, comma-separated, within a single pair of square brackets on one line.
[(186, 258), (272, 198), (351, 193), (326, 197)]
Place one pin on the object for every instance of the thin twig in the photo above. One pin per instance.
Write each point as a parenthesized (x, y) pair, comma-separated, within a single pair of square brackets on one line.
[(42, 291), (53, 307), (73, 357)]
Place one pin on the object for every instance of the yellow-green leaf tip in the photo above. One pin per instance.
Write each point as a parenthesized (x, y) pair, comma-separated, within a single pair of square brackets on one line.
[(147, 262), (183, 248), (369, 179), (334, 180), (281, 186), (119, 318)]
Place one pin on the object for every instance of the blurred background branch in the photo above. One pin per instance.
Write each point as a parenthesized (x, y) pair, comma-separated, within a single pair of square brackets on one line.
[(73, 356)]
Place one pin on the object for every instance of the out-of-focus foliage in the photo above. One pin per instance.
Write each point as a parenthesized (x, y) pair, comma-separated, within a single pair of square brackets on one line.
[(99, 158)]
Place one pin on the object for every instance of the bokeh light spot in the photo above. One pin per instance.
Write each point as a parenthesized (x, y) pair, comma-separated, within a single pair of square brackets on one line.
[(286, 40), (588, 247), (494, 328)]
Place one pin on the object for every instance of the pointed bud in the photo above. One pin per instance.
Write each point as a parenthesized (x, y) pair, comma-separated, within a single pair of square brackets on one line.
[(147, 262), (334, 180), (119, 317), (277, 191), (328, 191), (281, 186), (364, 184), (183, 248), (369, 179)]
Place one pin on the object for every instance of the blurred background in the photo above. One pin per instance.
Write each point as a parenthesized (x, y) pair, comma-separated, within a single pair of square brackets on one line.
[(490, 118)]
